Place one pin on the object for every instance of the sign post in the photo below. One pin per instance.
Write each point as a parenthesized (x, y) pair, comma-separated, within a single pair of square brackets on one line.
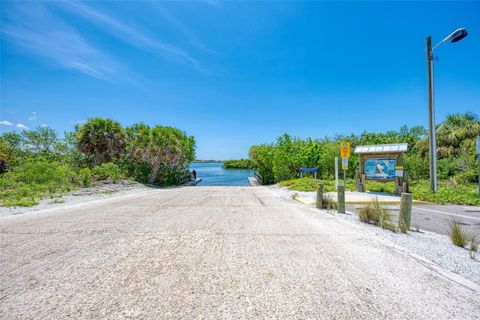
[(345, 154), (336, 173)]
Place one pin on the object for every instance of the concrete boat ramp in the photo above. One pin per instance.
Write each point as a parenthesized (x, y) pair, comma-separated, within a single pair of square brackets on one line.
[(214, 253)]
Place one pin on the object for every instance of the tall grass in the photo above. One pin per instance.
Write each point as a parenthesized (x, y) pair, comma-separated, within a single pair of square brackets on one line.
[(375, 213), (457, 234), (473, 247), (328, 203)]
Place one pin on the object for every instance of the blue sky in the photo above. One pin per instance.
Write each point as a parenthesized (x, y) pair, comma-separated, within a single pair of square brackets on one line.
[(235, 74)]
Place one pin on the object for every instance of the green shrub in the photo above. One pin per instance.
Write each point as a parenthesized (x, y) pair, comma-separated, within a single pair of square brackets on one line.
[(311, 184), (238, 164), (375, 213), (303, 184), (377, 186), (106, 171), (42, 172), (458, 236), (85, 175), (448, 192), (34, 179), (24, 202)]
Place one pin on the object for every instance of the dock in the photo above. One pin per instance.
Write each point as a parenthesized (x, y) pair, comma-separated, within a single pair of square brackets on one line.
[(253, 181)]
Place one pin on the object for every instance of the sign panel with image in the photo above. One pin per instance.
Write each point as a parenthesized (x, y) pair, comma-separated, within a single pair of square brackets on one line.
[(380, 168)]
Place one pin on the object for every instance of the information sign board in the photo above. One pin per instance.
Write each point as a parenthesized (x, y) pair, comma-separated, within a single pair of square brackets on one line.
[(380, 168)]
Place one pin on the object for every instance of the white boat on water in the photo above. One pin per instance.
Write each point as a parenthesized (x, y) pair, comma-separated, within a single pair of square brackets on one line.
[(194, 182)]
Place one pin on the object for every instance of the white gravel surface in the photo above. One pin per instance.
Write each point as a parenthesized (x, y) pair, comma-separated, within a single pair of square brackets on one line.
[(214, 253), (100, 191), (432, 246)]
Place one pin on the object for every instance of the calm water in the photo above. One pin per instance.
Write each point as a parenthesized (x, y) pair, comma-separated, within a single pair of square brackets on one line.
[(213, 174)]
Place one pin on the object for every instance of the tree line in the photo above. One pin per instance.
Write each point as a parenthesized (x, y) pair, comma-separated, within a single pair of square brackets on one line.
[(238, 164), (456, 152), (34, 162)]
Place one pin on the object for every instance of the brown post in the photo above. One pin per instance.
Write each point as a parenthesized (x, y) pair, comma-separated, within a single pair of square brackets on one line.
[(405, 217), (319, 201)]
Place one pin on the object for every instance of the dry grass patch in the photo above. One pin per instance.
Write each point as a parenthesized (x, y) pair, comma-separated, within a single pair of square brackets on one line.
[(375, 213), (458, 236), (473, 247), (328, 203)]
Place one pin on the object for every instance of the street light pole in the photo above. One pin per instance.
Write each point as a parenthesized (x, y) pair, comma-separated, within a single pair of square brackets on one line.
[(431, 118), (453, 37)]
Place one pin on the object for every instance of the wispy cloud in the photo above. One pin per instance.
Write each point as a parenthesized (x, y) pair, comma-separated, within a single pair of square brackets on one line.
[(131, 35), (6, 123), (33, 116), (35, 29), (21, 126), (172, 19)]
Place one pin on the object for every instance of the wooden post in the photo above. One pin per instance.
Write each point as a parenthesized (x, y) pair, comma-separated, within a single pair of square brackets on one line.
[(359, 181), (319, 202), (341, 199), (405, 212), (405, 180)]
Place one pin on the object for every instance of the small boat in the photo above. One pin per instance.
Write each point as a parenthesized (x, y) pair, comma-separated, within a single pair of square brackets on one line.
[(194, 182)]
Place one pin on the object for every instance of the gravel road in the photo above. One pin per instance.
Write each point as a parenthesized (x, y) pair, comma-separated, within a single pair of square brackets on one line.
[(214, 253)]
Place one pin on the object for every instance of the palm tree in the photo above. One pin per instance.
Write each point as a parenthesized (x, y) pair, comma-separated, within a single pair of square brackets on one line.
[(101, 139), (455, 131), (165, 149)]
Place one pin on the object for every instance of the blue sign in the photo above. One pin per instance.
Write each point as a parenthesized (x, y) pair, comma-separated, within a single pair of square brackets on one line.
[(305, 170), (380, 168)]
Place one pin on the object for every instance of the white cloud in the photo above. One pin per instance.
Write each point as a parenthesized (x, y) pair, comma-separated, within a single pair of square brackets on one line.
[(33, 116), (171, 18), (22, 126), (131, 35), (35, 29), (44, 125), (6, 123)]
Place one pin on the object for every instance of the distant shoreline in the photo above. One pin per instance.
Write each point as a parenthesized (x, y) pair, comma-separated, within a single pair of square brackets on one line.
[(207, 161)]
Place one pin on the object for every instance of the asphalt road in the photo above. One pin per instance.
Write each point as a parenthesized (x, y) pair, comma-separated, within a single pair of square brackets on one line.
[(213, 253), (437, 218)]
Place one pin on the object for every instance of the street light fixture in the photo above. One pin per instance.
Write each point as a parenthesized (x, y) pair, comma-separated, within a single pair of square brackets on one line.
[(455, 36)]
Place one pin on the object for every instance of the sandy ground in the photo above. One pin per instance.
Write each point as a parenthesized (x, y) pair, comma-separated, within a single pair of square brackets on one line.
[(433, 246), (214, 253)]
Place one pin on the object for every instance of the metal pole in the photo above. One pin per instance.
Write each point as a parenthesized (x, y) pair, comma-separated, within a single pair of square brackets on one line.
[(345, 179), (431, 118), (336, 173)]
